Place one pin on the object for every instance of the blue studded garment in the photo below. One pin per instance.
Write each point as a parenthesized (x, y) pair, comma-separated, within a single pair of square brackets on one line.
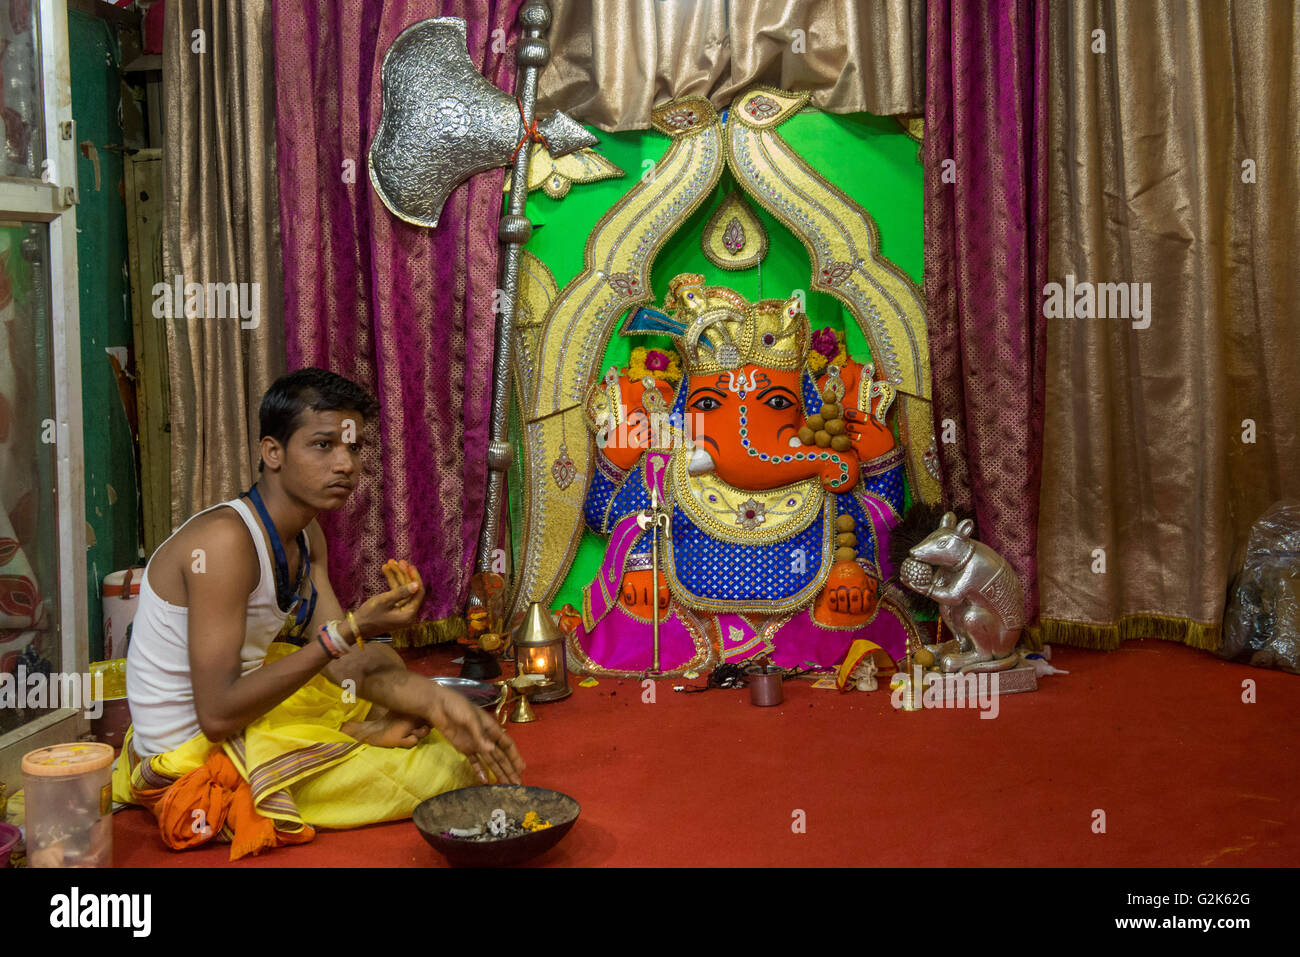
[(707, 573), (599, 493), (888, 485)]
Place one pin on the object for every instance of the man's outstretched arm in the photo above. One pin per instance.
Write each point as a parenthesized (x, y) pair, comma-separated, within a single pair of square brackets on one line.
[(380, 676)]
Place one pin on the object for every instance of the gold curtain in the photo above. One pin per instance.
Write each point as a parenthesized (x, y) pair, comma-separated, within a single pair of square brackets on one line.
[(221, 225), (1173, 163), (613, 60)]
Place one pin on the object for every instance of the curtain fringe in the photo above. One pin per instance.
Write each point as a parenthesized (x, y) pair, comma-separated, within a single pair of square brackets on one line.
[(425, 633), (1079, 634), (1031, 639)]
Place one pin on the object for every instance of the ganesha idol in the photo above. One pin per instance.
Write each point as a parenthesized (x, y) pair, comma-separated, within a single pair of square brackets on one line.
[(779, 489)]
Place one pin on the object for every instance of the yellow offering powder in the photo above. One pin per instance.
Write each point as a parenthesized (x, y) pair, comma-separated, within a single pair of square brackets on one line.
[(533, 822)]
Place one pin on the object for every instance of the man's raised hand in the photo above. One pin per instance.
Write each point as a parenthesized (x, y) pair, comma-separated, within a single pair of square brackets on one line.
[(397, 607)]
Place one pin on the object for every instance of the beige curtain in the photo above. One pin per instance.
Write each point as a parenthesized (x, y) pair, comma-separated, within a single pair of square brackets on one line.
[(614, 60), (221, 226), (1173, 163)]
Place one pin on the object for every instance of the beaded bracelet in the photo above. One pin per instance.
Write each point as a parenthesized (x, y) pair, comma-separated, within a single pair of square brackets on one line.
[(329, 650), (332, 633)]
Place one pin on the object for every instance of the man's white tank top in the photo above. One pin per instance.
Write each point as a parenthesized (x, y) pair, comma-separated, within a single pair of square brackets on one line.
[(158, 685)]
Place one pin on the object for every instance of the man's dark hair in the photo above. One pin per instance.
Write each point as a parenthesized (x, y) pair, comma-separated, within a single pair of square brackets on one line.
[(316, 389)]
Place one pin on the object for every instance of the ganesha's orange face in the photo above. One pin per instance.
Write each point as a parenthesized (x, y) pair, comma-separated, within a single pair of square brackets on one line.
[(734, 415), (754, 405)]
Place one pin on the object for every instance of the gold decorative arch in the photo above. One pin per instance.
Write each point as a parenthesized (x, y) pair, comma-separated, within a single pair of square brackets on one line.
[(843, 245), (537, 294)]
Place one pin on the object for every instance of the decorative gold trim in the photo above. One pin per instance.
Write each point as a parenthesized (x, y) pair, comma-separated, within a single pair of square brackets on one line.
[(537, 291), (843, 244), (913, 126), (760, 639), (881, 463), (690, 114)]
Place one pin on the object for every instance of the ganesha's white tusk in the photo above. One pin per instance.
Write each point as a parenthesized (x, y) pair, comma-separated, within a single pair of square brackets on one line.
[(795, 443), (701, 463)]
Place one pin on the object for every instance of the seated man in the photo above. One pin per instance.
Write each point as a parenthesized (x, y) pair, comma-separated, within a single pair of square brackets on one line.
[(236, 734)]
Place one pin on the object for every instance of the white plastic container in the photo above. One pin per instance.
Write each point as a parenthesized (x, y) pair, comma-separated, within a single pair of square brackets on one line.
[(121, 594), (69, 804)]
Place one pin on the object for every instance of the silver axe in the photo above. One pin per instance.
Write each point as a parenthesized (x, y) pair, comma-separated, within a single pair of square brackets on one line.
[(441, 123)]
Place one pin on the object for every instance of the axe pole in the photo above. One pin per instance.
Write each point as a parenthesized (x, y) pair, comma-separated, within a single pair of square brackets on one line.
[(532, 53)]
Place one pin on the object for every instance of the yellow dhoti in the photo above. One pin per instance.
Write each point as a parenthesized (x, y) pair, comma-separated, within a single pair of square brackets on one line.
[(300, 770)]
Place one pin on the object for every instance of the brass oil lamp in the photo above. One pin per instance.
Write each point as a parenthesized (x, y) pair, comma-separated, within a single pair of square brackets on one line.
[(539, 650)]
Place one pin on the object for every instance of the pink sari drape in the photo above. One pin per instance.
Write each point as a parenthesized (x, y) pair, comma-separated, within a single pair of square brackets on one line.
[(405, 311)]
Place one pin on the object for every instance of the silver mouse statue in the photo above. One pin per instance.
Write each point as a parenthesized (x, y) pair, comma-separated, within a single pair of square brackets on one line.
[(978, 595)]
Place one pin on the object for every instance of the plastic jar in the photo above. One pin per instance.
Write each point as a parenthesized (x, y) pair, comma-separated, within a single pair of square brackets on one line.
[(69, 805)]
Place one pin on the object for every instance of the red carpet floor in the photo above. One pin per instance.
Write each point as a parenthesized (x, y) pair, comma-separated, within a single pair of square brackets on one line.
[(1156, 736)]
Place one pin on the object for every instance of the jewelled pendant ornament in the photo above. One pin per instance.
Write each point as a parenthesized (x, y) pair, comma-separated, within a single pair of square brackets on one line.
[(931, 460), (750, 514), (734, 237), (563, 470)]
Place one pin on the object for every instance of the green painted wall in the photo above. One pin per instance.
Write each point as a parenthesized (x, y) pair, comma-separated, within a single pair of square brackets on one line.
[(868, 157), (112, 506)]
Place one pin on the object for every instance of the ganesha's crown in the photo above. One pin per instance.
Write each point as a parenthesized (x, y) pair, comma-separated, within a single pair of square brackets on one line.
[(722, 331)]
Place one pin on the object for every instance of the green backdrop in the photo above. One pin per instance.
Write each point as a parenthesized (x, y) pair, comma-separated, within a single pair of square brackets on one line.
[(868, 157)]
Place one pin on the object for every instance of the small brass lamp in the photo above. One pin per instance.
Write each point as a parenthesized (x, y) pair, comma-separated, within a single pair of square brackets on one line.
[(539, 650)]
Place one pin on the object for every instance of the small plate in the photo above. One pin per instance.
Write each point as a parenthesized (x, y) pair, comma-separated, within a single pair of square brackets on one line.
[(484, 694)]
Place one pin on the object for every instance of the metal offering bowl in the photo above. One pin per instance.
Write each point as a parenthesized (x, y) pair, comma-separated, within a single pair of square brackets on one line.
[(482, 693), (472, 807)]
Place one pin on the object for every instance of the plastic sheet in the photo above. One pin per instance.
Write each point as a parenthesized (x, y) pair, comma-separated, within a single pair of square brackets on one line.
[(1262, 623)]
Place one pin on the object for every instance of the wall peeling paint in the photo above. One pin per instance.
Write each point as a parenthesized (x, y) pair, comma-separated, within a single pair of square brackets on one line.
[(88, 150)]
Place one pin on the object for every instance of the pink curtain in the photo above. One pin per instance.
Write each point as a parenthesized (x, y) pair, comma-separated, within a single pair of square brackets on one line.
[(986, 263), (405, 311)]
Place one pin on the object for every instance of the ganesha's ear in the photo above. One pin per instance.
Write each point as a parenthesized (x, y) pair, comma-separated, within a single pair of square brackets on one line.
[(965, 527)]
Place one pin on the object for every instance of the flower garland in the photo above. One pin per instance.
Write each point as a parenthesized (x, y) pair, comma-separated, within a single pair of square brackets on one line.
[(660, 364), (827, 348)]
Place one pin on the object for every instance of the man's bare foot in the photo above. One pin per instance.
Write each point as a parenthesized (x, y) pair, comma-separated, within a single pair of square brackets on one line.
[(390, 731)]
